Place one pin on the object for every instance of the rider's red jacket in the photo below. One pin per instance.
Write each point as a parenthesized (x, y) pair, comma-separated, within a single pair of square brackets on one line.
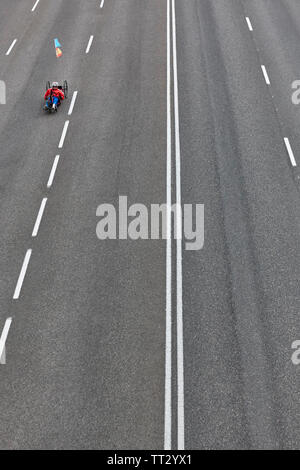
[(56, 92)]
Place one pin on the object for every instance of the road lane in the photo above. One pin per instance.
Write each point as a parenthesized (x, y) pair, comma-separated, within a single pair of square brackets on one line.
[(240, 391), (14, 19), (86, 356), (276, 40), (28, 137)]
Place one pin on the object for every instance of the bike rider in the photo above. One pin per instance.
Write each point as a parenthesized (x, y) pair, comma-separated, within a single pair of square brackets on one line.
[(55, 95)]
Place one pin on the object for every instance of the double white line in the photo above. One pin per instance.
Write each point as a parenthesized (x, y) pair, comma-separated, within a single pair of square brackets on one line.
[(172, 46)]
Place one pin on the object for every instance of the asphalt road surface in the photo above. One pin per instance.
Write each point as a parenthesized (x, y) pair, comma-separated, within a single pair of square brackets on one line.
[(142, 344)]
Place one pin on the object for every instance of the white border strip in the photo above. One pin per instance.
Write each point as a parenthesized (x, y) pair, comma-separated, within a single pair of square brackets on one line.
[(168, 345), (180, 371)]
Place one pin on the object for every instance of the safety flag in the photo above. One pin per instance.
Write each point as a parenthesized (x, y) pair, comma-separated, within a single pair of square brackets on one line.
[(57, 48)]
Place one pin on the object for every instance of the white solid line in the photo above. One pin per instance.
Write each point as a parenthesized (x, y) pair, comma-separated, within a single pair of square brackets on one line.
[(3, 340), (89, 44), (63, 135), (39, 217), (101, 4), (290, 151), (265, 74), (35, 5), (53, 170), (73, 102), (11, 47), (249, 23), (22, 275), (168, 345), (180, 371)]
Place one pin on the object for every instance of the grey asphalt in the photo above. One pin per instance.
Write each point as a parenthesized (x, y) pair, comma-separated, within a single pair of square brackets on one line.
[(86, 349)]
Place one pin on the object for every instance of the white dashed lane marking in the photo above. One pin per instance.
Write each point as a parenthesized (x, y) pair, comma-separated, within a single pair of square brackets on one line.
[(249, 23), (35, 5), (89, 44), (11, 47), (290, 151), (39, 217), (53, 170), (264, 70), (3, 339), (22, 275), (63, 135), (72, 102)]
